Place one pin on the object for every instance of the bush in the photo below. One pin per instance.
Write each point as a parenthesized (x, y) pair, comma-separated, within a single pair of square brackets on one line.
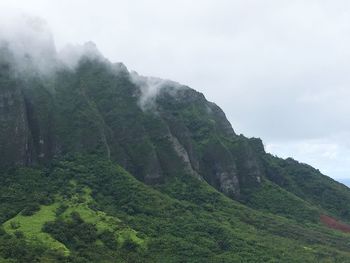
[(129, 245), (15, 225), (46, 200), (61, 209), (2, 232), (19, 234), (31, 209), (74, 233), (108, 238)]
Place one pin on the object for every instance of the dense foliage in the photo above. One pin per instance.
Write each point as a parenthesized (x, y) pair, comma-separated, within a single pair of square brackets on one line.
[(121, 219), (92, 171)]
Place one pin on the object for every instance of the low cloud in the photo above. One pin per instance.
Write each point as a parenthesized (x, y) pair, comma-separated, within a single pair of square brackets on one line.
[(279, 69), (29, 40), (70, 55), (150, 87), (31, 44)]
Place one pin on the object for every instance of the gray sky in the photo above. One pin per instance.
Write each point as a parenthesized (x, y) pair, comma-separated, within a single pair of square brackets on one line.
[(278, 68)]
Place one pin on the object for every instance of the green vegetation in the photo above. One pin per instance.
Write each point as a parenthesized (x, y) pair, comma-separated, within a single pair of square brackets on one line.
[(274, 199), (102, 212), (31, 227), (310, 185), (87, 175)]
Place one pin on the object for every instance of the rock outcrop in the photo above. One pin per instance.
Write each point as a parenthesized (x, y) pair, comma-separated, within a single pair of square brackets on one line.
[(96, 108)]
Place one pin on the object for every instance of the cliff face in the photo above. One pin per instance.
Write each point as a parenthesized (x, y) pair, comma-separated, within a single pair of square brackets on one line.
[(26, 115), (15, 135), (157, 130), (96, 108)]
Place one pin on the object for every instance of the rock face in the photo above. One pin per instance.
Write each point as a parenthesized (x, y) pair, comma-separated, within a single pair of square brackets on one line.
[(25, 117), (100, 108), (96, 108), (14, 131)]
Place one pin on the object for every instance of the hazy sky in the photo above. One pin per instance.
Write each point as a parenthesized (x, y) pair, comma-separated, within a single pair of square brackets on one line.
[(278, 68)]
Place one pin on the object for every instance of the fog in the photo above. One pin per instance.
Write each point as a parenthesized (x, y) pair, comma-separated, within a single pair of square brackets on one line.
[(279, 69), (150, 88), (30, 42)]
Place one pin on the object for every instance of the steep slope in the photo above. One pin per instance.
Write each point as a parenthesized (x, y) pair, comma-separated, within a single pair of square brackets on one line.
[(309, 184), (184, 220), (180, 132), (97, 159), (14, 128)]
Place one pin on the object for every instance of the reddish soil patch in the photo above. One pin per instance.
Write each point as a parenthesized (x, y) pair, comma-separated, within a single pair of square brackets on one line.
[(335, 224)]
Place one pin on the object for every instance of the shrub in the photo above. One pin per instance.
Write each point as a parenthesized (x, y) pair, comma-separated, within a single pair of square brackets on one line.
[(108, 238), (129, 244), (2, 232), (31, 209), (61, 209), (15, 225), (19, 234)]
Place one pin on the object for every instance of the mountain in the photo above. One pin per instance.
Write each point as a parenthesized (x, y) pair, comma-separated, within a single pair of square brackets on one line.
[(100, 164), (344, 181)]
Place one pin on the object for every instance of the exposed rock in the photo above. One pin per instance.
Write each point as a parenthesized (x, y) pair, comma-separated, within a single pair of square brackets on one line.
[(181, 151), (15, 135), (96, 108)]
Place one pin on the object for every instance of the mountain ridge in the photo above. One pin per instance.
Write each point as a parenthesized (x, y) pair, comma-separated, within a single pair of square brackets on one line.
[(102, 128)]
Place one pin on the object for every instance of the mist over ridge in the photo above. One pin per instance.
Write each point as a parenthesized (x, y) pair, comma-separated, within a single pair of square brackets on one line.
[(31, 44), (100, 164), (30, 47), (296, 60)]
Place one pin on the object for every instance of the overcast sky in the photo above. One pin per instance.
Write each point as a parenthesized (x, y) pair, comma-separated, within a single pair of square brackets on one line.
[(278, 68)]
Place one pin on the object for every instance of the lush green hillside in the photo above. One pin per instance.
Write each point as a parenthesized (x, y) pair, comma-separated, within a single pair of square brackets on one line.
[(85, 207), (102, 165), (310, 185)]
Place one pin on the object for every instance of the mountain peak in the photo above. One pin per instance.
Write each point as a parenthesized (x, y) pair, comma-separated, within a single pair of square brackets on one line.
[(99, 163)]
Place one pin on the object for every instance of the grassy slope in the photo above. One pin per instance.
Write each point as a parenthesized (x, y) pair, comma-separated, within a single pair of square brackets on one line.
[(31, 227), (199, 217), (183, 220), (80, 203)]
